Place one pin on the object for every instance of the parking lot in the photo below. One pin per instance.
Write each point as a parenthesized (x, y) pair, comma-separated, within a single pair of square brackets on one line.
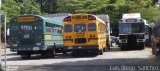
[(83, 62)]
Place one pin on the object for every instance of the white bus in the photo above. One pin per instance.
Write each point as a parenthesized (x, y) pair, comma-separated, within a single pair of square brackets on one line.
[(131, 31)]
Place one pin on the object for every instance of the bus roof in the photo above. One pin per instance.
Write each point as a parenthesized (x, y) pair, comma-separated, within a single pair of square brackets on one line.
[(131, 16), (44, 18), (104, 17), (88, 14)]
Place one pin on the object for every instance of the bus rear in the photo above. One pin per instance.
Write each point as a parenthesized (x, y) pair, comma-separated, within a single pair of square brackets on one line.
[(26, 35), (80, 33), (22, 33)]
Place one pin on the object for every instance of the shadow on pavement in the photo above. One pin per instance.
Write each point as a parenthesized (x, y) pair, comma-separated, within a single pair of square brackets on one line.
[(92, 65), (40, 57), (15, 57)]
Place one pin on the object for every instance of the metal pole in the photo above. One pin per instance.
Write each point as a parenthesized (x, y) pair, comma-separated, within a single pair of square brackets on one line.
[(0, 41), (5, 41)]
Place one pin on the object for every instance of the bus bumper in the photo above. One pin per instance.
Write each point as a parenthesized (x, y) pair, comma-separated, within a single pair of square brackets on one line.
[(86, 47), (139, 44), (26, 49)]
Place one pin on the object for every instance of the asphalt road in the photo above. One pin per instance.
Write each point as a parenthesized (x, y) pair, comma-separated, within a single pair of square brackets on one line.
[(114, 60)]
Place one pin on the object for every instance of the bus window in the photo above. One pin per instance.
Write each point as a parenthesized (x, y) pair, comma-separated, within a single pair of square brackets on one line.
[(79, 27), (68, 28), (59, 30), (14, 28), (91, 27), (48, 27)]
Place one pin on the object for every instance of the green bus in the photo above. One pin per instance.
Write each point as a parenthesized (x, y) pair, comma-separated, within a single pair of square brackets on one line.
[(33, 34)]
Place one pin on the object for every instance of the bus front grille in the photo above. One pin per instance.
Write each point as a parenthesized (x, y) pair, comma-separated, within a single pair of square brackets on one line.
[(27, 42), (80, 40), (132, 40)]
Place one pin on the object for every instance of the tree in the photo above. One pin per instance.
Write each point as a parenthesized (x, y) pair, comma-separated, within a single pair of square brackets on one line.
[(30, 7), (13, 8), (48, 6)]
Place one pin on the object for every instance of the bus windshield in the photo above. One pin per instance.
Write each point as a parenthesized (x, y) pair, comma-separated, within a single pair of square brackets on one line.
[(79, 27), (68, 28), (131, 27), (92, 27)]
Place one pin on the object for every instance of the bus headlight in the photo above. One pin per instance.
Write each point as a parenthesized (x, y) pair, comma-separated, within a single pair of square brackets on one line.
[(122, 37), (140, 36)]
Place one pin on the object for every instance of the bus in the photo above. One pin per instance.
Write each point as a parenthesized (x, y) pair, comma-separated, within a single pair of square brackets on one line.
[(131, 31), (84, 33), (34, 34), (106, 19), (156, 38)]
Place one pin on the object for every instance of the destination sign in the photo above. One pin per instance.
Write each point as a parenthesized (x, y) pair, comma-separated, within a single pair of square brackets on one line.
[(131, 20), (25, 19), (79, 17)]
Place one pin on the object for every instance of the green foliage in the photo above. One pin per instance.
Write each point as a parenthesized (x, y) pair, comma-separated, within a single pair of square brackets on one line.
[(29, 7), (48, 6), (114, 8), (13, 8)]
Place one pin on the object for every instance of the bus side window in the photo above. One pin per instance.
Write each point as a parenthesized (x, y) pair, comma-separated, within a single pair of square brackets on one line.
[(59, 30), (48, 28)]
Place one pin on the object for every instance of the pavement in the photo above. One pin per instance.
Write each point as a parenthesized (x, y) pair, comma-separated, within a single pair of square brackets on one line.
[(113, 60)]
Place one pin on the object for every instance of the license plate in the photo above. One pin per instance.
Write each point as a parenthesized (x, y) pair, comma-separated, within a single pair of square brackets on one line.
[(26, 36), (14, 45), (70, 47)]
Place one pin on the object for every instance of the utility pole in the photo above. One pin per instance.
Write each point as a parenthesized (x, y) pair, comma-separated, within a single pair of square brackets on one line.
[(5, 31), (0, 39)]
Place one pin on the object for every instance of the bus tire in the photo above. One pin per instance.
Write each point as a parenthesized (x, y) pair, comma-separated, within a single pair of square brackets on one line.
[(74, 53), (142, 47), (105, 49), (101, 52), (64, 52), (52, 53), (123, 48), (25, 56)]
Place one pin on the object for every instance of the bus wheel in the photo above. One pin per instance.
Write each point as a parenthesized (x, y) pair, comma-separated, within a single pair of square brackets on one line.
[(52, 53), (122, 48), (142, 47), (64, 52), (101, 52), (25, 56), (74, 53), (104, 49)]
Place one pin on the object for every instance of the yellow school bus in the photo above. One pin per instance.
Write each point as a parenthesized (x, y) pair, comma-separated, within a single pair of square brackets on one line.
[(84, 32)]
